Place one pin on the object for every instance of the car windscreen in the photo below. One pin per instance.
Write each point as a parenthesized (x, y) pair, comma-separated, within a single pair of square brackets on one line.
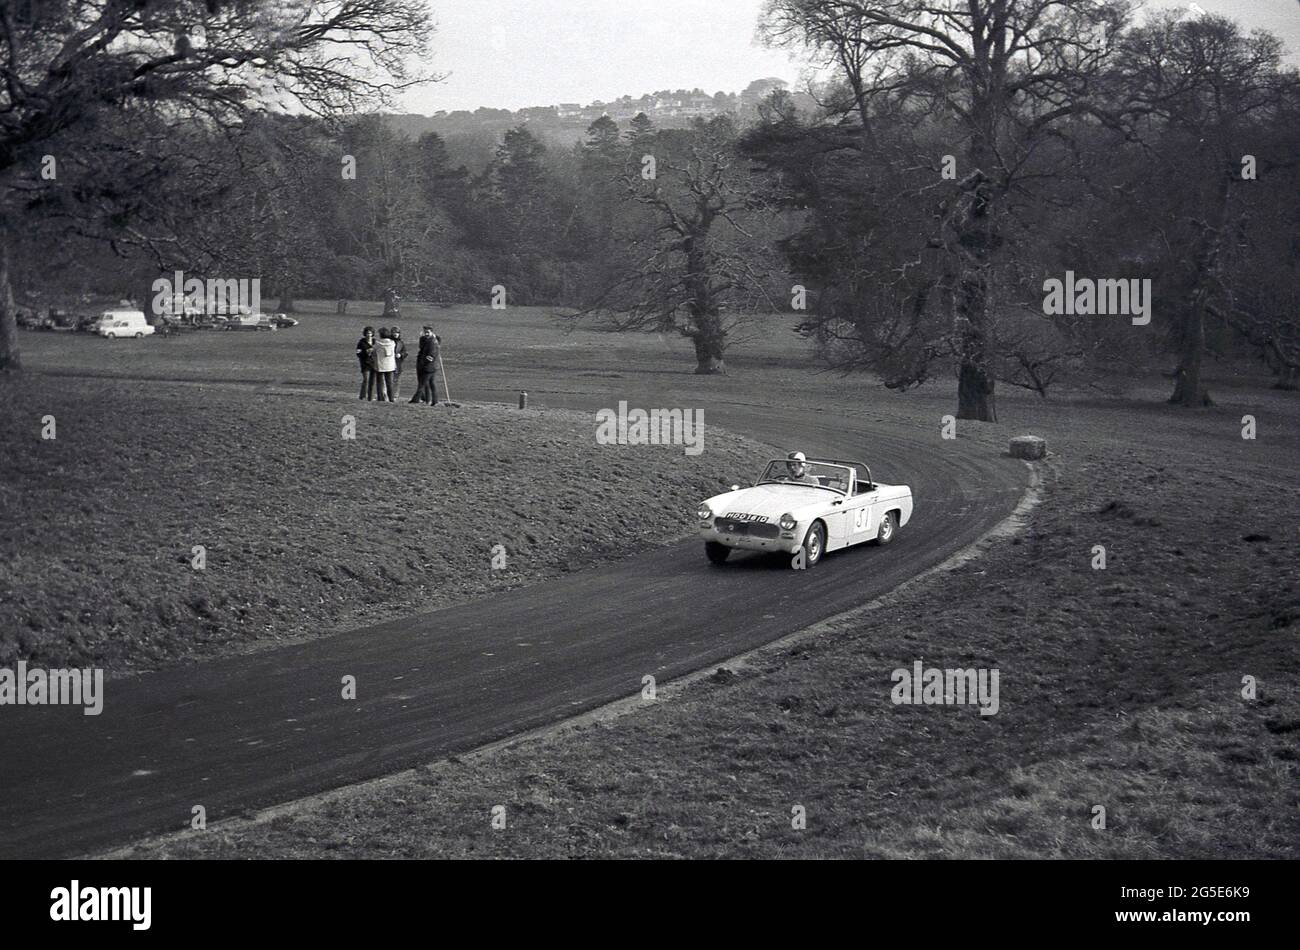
[(813, 474)]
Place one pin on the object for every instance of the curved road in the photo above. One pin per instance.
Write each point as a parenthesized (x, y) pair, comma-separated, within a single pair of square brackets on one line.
[(252, 731)]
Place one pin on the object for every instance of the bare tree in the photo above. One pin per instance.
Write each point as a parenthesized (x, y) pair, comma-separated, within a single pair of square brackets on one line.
[(1193, 88), (699, 267), (1036, 353), (383, 214), (1007, 72)]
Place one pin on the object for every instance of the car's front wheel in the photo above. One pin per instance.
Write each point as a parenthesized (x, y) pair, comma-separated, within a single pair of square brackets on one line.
[(715, 552), (888, 528), (814, 546)]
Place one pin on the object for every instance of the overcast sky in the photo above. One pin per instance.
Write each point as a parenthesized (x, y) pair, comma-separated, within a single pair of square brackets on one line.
[(515, 53)]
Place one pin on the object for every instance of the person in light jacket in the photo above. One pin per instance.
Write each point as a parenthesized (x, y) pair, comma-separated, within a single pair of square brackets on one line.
[(385, 365)]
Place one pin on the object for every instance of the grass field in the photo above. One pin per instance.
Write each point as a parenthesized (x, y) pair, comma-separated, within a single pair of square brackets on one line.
[(1142, 662)]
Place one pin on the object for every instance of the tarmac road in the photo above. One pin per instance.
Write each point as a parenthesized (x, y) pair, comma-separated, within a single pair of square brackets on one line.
[(247, 732)]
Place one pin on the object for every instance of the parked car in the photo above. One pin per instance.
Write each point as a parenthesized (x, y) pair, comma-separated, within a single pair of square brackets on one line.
[(116, 324), (62, 320), (251, 321), (812, 506), (283, 320)]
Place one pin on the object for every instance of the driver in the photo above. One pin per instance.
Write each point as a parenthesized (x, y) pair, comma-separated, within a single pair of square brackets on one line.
[(797, 465)]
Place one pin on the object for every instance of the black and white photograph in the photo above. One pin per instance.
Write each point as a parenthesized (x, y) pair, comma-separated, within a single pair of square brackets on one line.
[(852, 432)]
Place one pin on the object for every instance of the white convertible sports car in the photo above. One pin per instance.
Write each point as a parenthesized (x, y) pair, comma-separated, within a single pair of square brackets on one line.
[(804, 506)]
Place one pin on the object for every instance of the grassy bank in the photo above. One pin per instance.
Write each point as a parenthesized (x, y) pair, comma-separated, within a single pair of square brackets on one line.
[(304, 532)]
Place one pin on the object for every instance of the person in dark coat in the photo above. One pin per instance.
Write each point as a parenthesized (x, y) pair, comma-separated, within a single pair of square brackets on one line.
[(366, 357), (399, 353), (426, 368)]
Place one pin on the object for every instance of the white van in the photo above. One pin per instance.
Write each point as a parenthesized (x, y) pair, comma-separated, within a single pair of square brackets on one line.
[(115, 324)]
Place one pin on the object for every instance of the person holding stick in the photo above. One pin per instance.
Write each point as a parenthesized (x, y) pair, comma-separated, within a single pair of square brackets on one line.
[(426, 368)]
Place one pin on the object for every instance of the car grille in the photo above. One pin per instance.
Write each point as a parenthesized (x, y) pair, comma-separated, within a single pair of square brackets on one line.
[(749, 529)]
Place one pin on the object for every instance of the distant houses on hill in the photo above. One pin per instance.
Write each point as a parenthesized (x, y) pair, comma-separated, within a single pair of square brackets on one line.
[(665, 104), (666, 108)]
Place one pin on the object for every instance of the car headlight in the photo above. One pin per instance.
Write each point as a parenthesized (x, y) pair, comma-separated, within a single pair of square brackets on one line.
[(788, 522), (705, 513)]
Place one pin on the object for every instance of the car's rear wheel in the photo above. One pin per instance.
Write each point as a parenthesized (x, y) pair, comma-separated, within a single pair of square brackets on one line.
[(814, 546), (139, 336), (715, 552), (888, 528)]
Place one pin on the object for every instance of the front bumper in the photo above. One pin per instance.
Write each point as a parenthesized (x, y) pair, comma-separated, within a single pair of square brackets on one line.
[(787, 541)]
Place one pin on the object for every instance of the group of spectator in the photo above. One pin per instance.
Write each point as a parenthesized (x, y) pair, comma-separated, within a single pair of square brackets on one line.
[(382, 359)]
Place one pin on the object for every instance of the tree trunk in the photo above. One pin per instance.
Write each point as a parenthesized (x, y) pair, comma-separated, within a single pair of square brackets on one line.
[(287, 304), (975, 379), (709, 356), (152, 316), (1188, 390), (975, 394), (392, 304), (707, 332), (974, 225), (9, 358), (976, 241), (710, 343)]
